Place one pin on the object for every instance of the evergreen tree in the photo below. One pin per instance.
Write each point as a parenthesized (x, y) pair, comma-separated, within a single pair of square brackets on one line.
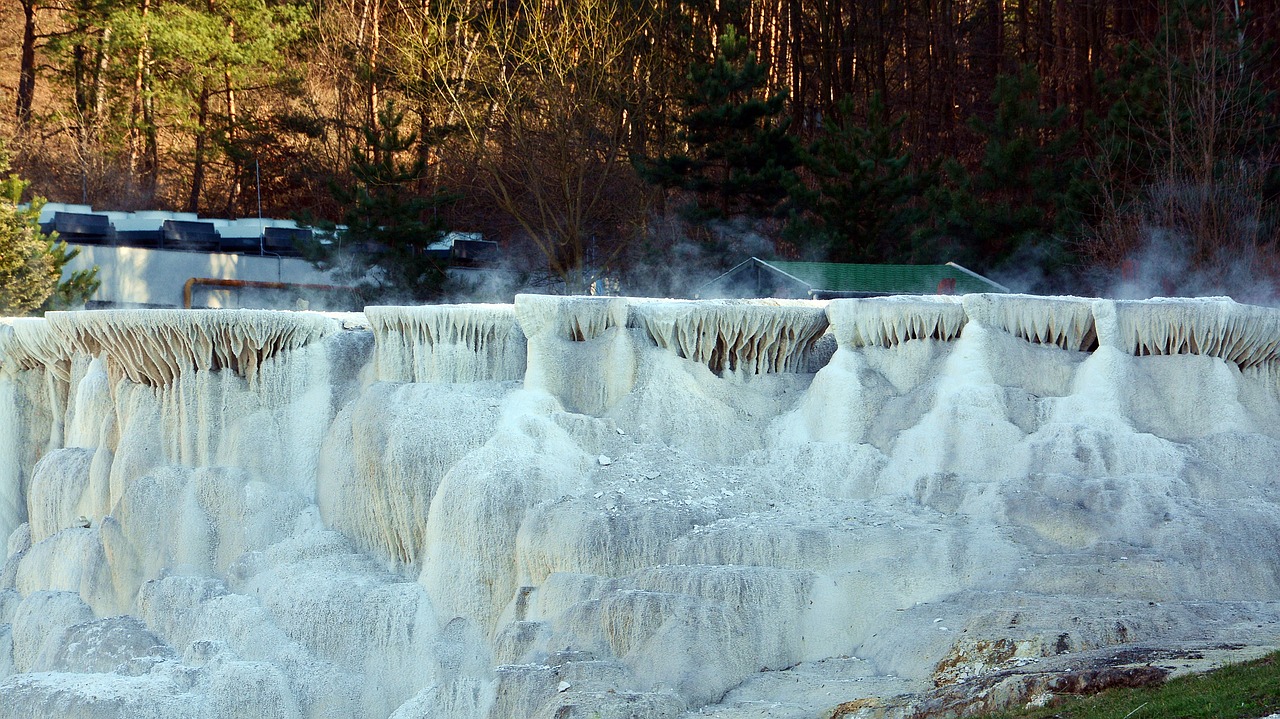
[(1022, 195), (31, 262), (739, 158), (388, 222), (863, 207)]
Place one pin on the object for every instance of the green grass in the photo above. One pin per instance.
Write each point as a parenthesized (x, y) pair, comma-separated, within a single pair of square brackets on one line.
[(1239, 691)]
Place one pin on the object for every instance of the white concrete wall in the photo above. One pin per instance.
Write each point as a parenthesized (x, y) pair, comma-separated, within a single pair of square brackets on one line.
[(137, 276)]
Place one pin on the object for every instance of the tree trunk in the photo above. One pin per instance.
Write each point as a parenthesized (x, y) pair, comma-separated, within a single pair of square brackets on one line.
[(369, 39), (82, 64), (374, 47), (233, 199), (27, 65), (100, 77), (151, 145), (142, 134), (202, 132)]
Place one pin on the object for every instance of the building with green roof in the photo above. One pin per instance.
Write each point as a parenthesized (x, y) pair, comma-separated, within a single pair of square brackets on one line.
[(826, 280)]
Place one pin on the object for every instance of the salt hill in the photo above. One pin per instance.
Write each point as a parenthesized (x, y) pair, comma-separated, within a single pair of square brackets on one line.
[(612, 507)]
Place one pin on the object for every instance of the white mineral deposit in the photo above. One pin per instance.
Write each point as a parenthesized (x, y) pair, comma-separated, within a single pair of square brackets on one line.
[(607, 507)]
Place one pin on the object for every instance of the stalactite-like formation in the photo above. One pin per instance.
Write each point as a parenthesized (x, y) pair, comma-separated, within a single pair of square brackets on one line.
[(746, 336), (1066, 322), (153, 347), (447, 343), (1241, 334), (30, 343), (577, 319), (890, 321)]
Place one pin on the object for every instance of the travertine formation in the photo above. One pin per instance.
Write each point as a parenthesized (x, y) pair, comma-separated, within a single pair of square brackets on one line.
[(613, 507)]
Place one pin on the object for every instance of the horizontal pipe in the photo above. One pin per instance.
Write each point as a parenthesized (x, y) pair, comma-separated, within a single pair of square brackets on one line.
[(190, 284)]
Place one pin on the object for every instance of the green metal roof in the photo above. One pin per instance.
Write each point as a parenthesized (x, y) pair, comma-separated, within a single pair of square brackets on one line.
[(887, 279)]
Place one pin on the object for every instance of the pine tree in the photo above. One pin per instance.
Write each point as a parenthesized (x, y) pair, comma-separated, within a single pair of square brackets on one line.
[(31, 262), (740, 160), (862, 208), (388, 222), (1023, 193)]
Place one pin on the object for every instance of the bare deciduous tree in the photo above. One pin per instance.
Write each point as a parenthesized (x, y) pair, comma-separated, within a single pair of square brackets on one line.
[(540, 91), (1193, 171)]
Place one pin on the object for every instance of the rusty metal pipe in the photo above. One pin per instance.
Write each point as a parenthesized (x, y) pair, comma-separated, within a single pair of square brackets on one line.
[(190, 284)]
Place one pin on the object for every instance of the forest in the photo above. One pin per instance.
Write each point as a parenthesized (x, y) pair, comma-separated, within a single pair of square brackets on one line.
[(1055, 145)]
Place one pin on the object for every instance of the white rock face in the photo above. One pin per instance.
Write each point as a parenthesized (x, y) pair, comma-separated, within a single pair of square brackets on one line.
[(622, 508)]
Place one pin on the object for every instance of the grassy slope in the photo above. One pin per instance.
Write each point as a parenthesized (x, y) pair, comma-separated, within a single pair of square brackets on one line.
[(1239, 691)]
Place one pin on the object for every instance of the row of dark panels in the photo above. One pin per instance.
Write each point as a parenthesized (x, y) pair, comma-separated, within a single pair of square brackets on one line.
[(196, 236), (187, 235)]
